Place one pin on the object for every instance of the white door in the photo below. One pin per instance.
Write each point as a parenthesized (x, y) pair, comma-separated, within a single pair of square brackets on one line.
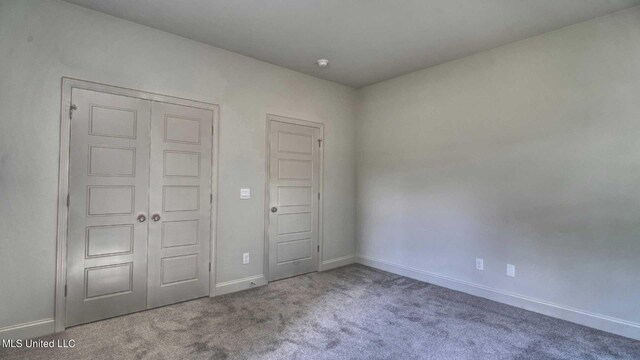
[(180, 203), (294, 166), (108, 204), (139, 220)]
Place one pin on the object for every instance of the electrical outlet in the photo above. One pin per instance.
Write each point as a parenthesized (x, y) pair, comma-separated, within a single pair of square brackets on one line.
[(511, 270), (245, 258), (479, 264)]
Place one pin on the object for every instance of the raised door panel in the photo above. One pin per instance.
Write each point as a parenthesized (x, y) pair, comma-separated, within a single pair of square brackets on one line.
[(295, 196), (181, 163), (295, 250), (111, 161), (295, 143), (105, 200), (181, 268), (294, 163), (182, 130), (108, 280), (107, 121), (108, 188), (180, 198), (294, 223), (109, 240), (180, 233), (181, 143), (295, 169)]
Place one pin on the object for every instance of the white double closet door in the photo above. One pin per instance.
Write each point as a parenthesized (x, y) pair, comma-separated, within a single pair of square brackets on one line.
[(139, 205)]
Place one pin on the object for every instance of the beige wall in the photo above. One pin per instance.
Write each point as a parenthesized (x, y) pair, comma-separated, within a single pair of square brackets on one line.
[(41, 41), (527, 154)]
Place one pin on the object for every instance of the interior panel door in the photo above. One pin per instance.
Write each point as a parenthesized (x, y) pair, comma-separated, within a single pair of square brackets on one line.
[(180, 203), (108, 191), (294, 165)]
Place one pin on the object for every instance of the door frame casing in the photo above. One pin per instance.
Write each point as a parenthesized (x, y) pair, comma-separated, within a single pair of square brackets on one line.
[(267, 205), (67, 85)]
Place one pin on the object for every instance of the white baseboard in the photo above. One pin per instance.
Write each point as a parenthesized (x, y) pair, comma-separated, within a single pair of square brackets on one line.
[(228, 287), (338, 262), (582, 317), (28, 330)]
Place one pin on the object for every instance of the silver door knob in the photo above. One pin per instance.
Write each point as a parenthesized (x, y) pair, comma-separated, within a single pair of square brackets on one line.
[(274, 209), (155, 217), (141, 218)]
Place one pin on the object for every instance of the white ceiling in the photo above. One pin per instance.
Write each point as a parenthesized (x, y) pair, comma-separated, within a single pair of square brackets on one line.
[(366, 40)]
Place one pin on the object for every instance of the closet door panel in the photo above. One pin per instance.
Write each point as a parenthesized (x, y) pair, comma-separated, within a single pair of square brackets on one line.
[(180, 203), (108, 201)]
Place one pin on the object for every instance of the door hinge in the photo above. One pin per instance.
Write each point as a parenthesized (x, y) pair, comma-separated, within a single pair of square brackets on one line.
[(318, 248), (318, 196), (65, 290), (211, 199), (68, 200), (212, 130), (72, 107), (319, 142), (209, 266)]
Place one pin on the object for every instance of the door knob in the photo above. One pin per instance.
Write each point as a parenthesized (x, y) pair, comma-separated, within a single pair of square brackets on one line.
[(155, 217), (274, 209), (142, 218)]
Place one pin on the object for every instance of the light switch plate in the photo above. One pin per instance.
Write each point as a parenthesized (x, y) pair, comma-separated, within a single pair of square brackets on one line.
[(245, 258), (245, 194), (511, 270), (479, 264)]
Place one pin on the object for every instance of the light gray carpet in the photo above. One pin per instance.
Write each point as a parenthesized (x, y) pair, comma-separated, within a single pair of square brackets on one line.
[(354, 312)]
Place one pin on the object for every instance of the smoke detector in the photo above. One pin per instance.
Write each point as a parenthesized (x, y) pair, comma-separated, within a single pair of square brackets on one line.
[(323, 63)]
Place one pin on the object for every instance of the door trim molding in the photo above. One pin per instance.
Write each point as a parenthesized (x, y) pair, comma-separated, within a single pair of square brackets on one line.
[(67, 84), (288, 120)]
